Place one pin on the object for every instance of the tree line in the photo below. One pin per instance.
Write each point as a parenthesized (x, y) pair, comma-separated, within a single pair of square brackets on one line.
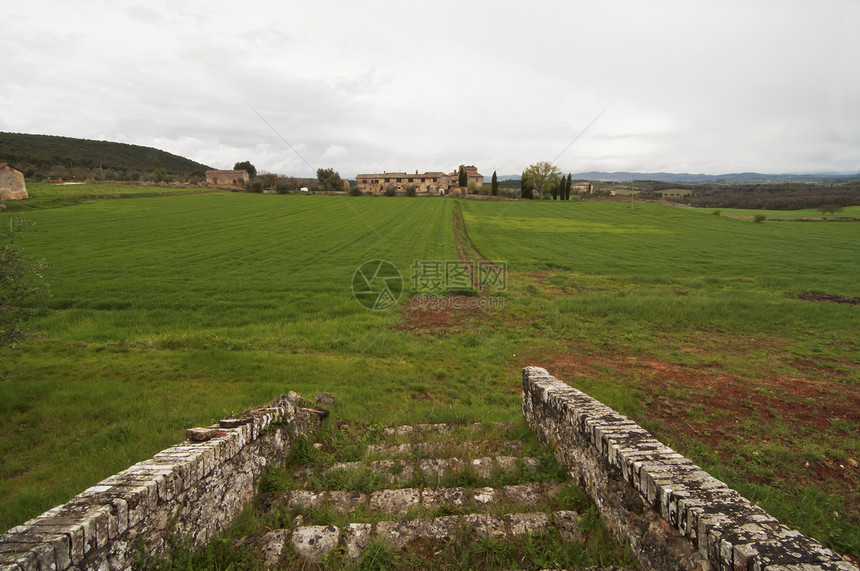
[(773, 196)]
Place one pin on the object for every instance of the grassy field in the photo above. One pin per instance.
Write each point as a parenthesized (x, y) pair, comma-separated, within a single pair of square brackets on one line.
[(49, 195), (172, 311)]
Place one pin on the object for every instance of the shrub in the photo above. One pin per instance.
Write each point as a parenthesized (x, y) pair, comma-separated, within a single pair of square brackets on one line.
[(716, 212), (270, 180), (21, 284), (254, 185), (830, 208), (355, 190), (759, 218), (390, 190), (410, 190)]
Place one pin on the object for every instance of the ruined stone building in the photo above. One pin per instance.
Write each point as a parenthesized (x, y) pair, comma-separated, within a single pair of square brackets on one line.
[(12, 186), (434, 182), (227, 178)]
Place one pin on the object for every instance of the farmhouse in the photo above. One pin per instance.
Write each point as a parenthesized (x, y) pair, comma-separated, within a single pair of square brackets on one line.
[(227, 178), (582, 187), (427, 182), (12, 186)]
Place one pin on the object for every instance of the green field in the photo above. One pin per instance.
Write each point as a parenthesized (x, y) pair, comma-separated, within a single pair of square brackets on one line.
[(171, 311), (49, 195)]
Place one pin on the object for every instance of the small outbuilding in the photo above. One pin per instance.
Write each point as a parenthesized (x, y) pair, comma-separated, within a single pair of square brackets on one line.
[(12, 185), (227, 178)]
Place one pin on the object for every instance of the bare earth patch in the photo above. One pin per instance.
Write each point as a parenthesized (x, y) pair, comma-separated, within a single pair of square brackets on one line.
[(452, 316), (809, 296)]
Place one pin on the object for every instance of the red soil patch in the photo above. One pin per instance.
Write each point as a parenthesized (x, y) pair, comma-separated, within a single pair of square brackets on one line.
[(449, 314)]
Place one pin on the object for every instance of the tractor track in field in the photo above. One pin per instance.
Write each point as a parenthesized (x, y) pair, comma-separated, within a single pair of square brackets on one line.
[(468, 254)]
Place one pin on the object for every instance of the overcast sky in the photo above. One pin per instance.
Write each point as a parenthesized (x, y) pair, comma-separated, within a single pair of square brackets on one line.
[(695, 86)]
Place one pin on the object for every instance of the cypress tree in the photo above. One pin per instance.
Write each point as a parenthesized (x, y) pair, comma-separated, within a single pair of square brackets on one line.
[(494, 185)]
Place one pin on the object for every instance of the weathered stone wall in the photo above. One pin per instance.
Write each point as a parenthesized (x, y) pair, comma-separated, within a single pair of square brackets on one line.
[(671, 513), (192, 490)]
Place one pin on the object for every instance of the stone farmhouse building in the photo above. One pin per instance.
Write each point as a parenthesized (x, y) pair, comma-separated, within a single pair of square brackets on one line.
[(227, 178), (582, 188), (433, 182), (12, 185)]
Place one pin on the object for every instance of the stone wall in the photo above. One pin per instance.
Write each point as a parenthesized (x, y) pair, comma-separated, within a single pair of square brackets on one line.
[(192, 491), (671, 513)]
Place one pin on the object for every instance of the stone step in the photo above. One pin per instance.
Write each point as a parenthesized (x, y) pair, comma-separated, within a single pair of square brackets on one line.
[(399, 502), (442, 428), (429, 471), (433, 449), (312, 542)]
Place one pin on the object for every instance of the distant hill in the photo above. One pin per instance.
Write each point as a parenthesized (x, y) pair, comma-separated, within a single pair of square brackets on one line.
[(686, 178), (48, 156)]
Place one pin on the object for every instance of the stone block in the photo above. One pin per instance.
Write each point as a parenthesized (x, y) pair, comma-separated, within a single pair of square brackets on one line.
[(38, 555), (522, 523), (272, 545), (347, 502), (484, 495), (58, 543), (357, 536), (19, 561), (400, 533), (167, 482), (312, 542), (138, 502), (483, 467), (436, 498), (305, 499), (434, 469), (395, 502), (74, 532), (525, 494), (485, 524), (203, 434)]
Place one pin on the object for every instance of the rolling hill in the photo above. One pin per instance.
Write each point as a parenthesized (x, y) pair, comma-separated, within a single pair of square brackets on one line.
[(48, 156)]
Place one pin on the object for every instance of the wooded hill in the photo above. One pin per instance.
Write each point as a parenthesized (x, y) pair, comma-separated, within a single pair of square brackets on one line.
[(47, 156)]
